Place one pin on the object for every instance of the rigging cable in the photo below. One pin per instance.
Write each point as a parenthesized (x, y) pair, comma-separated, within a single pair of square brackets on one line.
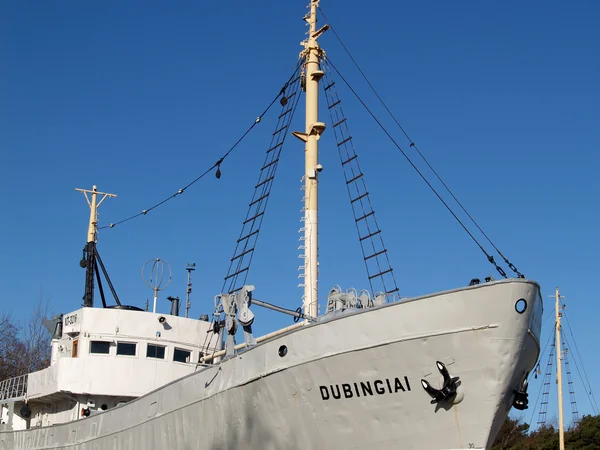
[(209, 336), (550, 338), (489, 257), (412, 144), (588, 388), (217, 164), (588, 393)]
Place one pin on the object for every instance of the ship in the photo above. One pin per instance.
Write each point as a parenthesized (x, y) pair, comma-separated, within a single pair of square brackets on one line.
[(437, 371)]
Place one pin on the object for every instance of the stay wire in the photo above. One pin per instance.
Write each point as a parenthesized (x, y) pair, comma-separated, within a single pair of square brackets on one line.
[(217, 164), (489, 257), (589, 386), (587, 392), (412, 144), (550, 338)]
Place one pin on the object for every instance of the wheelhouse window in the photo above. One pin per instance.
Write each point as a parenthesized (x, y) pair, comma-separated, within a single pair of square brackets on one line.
[(100, 347), (126, 348), (155, 351), (181, 355)]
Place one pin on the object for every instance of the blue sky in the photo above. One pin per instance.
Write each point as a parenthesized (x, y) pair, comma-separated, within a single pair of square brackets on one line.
[(140, 97)]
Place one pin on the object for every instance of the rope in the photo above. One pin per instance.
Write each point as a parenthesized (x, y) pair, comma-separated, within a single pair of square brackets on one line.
[(489, 257), (412, 144), (216, 165), (588, 391), (550, 338)]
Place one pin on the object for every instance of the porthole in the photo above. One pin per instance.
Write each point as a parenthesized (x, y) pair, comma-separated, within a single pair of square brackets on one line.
[(282, 351), (521, 305)]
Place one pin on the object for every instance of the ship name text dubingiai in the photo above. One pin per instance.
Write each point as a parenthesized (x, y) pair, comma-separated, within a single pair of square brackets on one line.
[(364, 388)]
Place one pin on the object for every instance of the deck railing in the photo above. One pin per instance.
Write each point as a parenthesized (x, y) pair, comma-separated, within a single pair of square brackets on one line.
[(13, 387)]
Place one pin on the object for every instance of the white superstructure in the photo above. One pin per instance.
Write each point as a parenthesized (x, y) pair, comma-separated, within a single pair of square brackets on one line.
[(102, 357)]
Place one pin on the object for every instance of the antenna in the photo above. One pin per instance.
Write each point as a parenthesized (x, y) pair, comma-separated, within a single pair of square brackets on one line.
[(190, 267), (156, 277)]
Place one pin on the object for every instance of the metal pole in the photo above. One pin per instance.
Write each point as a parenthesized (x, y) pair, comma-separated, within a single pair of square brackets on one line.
[(188, 304), (561, 425), (267, 305)]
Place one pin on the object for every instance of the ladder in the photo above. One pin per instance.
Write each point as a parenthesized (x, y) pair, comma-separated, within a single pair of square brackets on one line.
[(574, 412), (379, 271), (546, 386), (239, 264)]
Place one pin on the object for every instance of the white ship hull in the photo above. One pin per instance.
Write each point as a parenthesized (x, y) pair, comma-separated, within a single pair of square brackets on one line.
[(372, 360)]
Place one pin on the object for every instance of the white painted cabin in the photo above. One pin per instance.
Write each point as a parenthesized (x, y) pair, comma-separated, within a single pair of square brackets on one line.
[(105, 356)]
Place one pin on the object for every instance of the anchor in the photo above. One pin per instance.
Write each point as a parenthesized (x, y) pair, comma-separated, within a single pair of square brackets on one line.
[(521, 401), (448, 389)]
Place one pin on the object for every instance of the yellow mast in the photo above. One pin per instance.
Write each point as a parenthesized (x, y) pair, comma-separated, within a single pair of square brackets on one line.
[(313, 73), (94, 205), (561, 426)]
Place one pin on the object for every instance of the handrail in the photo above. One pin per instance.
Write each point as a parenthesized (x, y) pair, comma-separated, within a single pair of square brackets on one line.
[(15, 387)]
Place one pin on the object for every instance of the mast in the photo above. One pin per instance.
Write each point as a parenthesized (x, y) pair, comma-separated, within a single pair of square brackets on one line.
[(92, 237), (561, 425), (313, 73), (189, 268)]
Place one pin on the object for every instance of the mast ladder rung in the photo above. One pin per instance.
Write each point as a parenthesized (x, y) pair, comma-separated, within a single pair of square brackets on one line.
[(352, 158), (359, 197), (287, 111), (370, 235), (392, 291), (337, 124), (236, 273), (280, 130), (380, 274), (274, 147), (262, 197), (355, 178), (365, 216), (235, 289), (349, 138), (334, 104), (374, 255), (264, 182), (253, 217), (270, 164), (242, 254), (330, 85)]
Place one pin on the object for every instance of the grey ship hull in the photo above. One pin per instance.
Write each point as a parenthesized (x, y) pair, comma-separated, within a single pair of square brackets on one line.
[(351, 381)]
